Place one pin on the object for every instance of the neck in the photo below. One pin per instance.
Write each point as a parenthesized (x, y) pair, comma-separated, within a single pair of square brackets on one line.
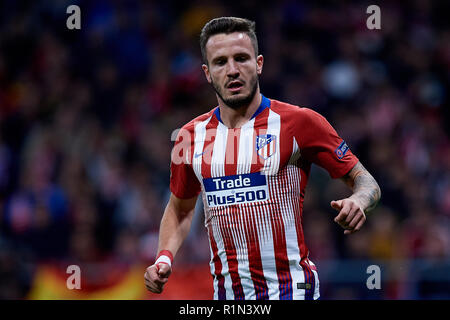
[(235, 118)]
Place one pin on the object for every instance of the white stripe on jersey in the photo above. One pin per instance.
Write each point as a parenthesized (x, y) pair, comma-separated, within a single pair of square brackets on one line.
[(266, 247), (244, 160), (266, 244), (218, 156), (218, 170), (238, 238), (199, 142), (272, 164), (212, 270), (293, 249), (316, 285), (223, 259), (246, 147)]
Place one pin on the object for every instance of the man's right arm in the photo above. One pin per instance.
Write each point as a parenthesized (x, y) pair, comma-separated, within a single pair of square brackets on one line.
[(174, 228)]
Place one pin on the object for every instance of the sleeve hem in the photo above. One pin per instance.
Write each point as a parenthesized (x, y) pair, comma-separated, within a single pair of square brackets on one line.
[(184, 196), (342, 171)]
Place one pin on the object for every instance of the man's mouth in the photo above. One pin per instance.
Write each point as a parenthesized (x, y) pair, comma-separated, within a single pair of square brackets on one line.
[(235, 86)]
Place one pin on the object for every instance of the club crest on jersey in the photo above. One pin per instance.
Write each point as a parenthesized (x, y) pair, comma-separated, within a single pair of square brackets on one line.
[(266, 145)]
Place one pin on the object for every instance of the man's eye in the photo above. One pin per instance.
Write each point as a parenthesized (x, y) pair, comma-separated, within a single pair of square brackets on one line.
[(220, 62), (241, 59)]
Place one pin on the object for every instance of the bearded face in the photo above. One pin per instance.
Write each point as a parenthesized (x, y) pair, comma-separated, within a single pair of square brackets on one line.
[(233, 68)]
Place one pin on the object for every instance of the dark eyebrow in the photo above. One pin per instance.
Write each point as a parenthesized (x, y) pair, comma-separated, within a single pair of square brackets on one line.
[(242, 54), (237, 55)]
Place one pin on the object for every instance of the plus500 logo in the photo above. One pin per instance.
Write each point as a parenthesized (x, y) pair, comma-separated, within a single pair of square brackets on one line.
[(236, 189)]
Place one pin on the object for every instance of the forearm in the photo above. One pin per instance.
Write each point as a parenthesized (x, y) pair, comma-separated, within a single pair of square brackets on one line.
[(365, 188), (174, 228)]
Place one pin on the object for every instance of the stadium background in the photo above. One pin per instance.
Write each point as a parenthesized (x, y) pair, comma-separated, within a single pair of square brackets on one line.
[(86, 118)]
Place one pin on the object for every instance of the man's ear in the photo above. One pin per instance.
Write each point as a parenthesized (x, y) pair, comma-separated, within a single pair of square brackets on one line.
[(206, 71), (259, 64)]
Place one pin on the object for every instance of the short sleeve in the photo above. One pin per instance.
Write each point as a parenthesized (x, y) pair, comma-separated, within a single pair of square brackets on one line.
[(320, 144), (183, 181)]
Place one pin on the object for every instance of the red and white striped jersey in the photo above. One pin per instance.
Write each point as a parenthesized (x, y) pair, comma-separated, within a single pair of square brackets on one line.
[(252, 181)]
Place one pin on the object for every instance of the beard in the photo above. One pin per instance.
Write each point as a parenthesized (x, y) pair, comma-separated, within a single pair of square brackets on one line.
[(236, 102)]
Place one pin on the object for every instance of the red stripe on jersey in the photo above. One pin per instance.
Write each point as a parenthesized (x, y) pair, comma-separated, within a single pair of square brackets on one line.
[(309, 278), (221, 295), (281, 258), (279, 244), (232, 150), (226, 220), (254, 254), (299, 217), (279, 236), (304, 252)]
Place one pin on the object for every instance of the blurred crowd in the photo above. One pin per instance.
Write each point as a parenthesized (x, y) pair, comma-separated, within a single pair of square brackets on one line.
[(87, 116)]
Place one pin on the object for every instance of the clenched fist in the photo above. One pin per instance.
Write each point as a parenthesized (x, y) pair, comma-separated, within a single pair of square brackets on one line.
[(156, 276)]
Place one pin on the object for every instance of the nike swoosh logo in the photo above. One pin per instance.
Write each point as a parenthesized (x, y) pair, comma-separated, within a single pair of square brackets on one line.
[(198, 154)]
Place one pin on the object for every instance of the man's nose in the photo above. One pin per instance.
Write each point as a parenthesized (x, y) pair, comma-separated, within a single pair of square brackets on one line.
[(232, 69)]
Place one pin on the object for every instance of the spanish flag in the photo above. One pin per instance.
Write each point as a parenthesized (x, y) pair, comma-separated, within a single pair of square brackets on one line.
[(116, 282)]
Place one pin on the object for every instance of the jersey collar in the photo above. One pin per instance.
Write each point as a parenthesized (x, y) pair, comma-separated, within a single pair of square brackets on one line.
[(265, 103)]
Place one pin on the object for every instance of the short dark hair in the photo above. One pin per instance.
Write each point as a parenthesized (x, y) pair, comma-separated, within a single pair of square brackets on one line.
[(227, 25)]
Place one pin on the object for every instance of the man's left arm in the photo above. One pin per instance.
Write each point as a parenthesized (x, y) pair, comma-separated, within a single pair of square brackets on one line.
[(366, 194)]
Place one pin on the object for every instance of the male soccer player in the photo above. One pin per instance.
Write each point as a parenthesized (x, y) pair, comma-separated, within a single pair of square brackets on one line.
[(250, 158)]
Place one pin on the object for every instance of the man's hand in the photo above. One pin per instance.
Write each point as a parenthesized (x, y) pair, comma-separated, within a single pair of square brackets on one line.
[(156, 276), (350, 217)]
